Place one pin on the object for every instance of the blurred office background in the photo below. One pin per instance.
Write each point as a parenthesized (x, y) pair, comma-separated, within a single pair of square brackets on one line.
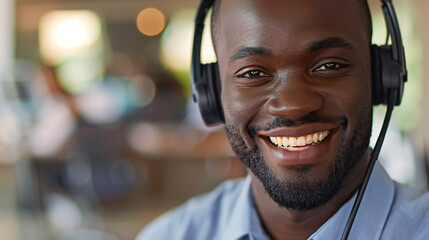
[(98, 134)]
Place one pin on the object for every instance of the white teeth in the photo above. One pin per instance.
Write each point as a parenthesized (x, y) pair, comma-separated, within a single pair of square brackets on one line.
[(315, 137), (293, 142), (301, 141), (309, 139), (321, 137), (279, 141), (285, 142)]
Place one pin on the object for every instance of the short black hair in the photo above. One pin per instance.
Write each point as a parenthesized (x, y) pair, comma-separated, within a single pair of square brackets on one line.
[(364, 10)]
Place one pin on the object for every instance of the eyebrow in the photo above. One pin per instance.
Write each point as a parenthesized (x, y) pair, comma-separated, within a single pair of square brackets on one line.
[(333, 42), (245, 52)]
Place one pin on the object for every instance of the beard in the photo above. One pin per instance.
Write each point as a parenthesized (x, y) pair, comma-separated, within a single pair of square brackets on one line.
[(304, 192)]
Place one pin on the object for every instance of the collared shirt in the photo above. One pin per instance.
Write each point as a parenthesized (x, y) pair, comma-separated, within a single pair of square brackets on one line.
[(388, 211)]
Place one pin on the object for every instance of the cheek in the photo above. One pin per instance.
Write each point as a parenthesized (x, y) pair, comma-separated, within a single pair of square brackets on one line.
[(352, 98), (241, 106), (361, 92)]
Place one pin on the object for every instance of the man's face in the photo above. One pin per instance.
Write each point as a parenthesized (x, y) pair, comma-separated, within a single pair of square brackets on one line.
[(296, 93)]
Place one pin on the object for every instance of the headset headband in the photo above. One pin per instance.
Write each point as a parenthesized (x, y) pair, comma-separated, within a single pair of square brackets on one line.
[(200, 17), (394, 31)]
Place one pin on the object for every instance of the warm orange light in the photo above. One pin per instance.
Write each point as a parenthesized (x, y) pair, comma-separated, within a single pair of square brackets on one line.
[(150, 21)]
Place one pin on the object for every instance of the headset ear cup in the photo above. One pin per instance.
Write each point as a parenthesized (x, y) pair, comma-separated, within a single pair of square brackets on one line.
[(387, 75), (215, 91), (209, 89), (377, 78)]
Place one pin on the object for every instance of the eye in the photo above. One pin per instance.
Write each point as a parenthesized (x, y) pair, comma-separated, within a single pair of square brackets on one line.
[(253, 74), (252, 77), (332, 69), (330, 66)]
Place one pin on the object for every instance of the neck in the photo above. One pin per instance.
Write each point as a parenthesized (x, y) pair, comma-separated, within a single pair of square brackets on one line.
[(282, 223)]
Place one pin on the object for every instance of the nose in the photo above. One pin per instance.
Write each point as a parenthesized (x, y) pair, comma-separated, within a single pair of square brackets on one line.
[(294, 98)]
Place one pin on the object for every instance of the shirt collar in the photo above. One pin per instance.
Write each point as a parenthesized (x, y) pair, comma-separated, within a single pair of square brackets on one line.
[(369, 222), (373, 211), (239, 224)]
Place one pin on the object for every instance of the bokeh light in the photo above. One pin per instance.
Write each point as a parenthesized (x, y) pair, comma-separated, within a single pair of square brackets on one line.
[(147, 89), (150, 21), (176, 44), (103, 103), (79, 73), (66, 32)]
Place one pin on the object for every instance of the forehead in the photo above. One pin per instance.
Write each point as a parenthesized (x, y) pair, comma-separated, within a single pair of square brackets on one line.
[(284, 23)]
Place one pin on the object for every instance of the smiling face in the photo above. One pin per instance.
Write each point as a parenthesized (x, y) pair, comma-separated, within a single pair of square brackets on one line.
[(296, 93)]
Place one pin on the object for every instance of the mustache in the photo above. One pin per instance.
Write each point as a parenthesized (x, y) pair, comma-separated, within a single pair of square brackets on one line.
[(282, 121)]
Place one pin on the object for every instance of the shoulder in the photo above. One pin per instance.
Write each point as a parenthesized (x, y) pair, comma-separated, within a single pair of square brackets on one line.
[(197, 218), (409, 215)]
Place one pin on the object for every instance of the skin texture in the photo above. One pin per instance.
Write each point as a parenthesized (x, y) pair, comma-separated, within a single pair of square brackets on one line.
[(291, 68)]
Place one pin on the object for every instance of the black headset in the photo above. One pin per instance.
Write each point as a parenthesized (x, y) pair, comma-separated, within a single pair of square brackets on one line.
[(388, 68)]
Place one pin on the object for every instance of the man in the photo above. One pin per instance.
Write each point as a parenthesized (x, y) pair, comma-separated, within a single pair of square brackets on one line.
[(296, 96)]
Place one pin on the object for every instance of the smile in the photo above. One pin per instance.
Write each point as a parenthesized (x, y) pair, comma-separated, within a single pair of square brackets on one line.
[(299, 143)]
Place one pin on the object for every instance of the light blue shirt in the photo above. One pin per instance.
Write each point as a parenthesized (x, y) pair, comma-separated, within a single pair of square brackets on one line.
[(388, 211)]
